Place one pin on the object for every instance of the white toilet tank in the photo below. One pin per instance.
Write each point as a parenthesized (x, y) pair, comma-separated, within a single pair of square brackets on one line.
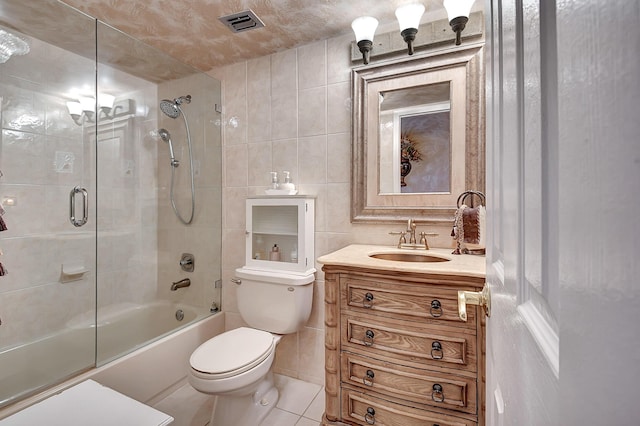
[(274, 301)]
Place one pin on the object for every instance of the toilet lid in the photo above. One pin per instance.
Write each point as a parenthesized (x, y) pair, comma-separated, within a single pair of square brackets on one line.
[(232, 351)]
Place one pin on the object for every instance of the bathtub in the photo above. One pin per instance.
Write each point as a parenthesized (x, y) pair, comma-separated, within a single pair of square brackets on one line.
[(146, 373)]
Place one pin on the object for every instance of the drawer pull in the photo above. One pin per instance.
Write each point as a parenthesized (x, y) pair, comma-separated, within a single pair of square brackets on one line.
[(437, 348), (437, 395), (436, 309), (367, 301), (368, 338), (368, 379), (370, 416)]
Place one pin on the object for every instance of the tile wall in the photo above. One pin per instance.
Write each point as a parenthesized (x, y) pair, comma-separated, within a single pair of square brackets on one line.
[(292, 111), (202, 237)]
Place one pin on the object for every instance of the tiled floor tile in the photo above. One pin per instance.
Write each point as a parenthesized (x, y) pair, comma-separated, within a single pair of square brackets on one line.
[(316, 409), (307, 422), (295, 395), (187, 406), (279, 417), (300, 404)]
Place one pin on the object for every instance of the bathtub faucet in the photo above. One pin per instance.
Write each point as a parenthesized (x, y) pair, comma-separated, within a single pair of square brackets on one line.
[(180, 284)]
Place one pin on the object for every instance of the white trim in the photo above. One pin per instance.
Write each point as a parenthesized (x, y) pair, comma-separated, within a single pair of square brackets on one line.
[(546, 337)]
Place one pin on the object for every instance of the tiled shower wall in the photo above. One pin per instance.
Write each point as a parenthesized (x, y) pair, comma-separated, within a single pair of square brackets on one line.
[(292, 111), (202, 237)]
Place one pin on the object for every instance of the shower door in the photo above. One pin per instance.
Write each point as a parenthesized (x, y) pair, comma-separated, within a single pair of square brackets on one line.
[(47, 193)]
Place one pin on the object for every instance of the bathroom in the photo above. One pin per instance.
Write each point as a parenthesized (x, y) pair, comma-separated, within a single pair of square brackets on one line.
[(266, 127)]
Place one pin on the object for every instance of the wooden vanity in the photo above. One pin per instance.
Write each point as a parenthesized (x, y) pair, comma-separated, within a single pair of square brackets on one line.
[(396, 351)]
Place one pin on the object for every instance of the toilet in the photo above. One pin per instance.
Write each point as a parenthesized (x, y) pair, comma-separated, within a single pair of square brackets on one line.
[(235, 366)]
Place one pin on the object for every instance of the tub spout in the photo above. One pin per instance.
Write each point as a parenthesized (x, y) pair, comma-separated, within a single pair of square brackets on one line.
[(180, 284)]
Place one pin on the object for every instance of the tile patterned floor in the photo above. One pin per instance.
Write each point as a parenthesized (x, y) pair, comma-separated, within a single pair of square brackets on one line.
[(300, 404)]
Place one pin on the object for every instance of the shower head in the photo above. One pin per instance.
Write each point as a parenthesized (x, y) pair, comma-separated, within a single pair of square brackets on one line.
[(172, 108), (166, 137)]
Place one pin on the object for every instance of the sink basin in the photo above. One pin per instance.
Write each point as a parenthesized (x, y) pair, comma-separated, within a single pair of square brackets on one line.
[(408, 257)]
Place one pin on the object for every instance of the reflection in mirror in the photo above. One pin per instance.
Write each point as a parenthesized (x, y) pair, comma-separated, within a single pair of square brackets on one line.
[(415, 140)]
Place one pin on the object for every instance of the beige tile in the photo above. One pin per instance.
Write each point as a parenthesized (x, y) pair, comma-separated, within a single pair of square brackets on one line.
[(284, 115), (312, 159), (233, 320), (259, 157), (339, 158), (339, 58), (307, 422), (285, 157), (284, 95), (236, 166), (295, 395), (339, 108), (316, 409), (284, 72), (258, 99), (339, 197), (312, 111), (279, 417), (234, 208), (287, 354), (187, 406), (312, 65), (311, 354)]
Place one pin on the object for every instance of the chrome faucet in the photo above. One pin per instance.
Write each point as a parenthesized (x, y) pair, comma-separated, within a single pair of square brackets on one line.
[(180, 284)]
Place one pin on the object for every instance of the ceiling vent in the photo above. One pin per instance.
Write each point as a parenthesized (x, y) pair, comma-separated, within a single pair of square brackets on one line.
[(242, 21)]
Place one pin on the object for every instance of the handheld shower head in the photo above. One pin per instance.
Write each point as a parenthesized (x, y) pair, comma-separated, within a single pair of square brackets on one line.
[(166, 137)]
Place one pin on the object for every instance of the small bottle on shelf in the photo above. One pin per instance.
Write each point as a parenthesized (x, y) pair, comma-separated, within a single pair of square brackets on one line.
[(274, 254), (294, 254), (259, 249)]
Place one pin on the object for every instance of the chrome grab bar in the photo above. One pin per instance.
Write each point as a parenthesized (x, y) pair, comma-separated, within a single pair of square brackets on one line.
[(72, 206)]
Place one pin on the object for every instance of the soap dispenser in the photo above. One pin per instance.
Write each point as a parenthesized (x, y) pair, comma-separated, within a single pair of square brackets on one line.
[(287, 185)]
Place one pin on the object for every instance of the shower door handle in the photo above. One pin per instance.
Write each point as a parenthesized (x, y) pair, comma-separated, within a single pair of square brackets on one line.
[(72, 206)]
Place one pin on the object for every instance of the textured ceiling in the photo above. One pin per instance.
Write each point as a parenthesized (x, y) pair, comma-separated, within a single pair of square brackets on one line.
[(190, 31)]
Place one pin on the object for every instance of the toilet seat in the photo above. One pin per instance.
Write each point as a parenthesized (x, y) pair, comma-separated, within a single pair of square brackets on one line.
[(231, 353)]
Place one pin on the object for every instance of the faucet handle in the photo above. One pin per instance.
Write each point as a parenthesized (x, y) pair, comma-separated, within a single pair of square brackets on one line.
[(403, 239), (423, 238)]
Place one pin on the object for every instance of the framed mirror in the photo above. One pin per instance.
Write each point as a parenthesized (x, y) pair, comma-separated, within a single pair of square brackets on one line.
[(418, 136)]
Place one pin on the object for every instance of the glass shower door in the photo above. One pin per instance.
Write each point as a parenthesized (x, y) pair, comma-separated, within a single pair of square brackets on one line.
[(47, 296)]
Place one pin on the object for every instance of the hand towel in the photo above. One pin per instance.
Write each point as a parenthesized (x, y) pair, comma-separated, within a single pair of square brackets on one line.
[(469, 229)]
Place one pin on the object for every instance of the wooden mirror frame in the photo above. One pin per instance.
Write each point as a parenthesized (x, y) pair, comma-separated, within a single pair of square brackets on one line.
[(467, 60)]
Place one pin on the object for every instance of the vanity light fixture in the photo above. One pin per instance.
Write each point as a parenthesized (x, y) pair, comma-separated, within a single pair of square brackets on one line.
[(409, 20), (84, 109), (364, 29), (458, 13)]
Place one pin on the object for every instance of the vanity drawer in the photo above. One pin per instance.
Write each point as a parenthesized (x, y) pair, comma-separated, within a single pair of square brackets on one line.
[(428, 387), (412, 345), (413, 302), (366, 409)]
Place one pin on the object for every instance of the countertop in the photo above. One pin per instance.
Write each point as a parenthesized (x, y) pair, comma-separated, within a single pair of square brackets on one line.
[(358, 256)]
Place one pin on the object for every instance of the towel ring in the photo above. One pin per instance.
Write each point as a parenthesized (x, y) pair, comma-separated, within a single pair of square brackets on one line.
[(466, 194)]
